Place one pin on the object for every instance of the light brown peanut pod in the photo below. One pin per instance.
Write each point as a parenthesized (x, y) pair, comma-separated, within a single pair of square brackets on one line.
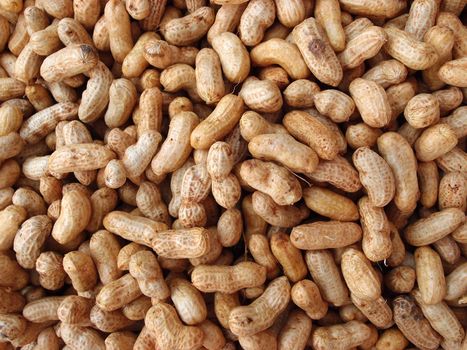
[(422, 110), (442, 39), (180, 77), (11, 119), (87, 12), (5, 33), (306, 295), (453, 6), (104, 249), (372, 102), (70, 32), (165, 326), (317, 52), (375, 175), (150, 111), (42, 310), (284, 149), (6, 195), (454, 160), (407, 49), (61, 92), (334, 104), (11, 145), (75, 213), (100, 35), (289, 257), (138, 156), (387, 73), (49, 265), (118, 293), (455, 282), (322, 266), (219, 162), (115, 174), (226, 191), (376, 8), (48, 339), (460, 234), (188, 301), (27, 65), (400, 279), (230, 227), (213, 337), (133, 228), (452, 191), (120, 341), (76, 337), (144, 341), (10, 88), (364, 46), (430, 275), (228, 279), (147, 272), (448, 99), (68, 62), (19, 36), (295, 332), (350, 313), (39, 96), (398, 96), (136, 310), (13, 276), (42, 123), (434, 227), (175, 149), (355, 27), (12, 326), (435, 142), (290, 13), (361, 135), (119, 28), (149, 201), (447, 249), (377, 311), (103, 201), (392, 339), (81, 270), (29, 200), (161, 54), (196, 184), (226, 20), (360, 276), (134, 62), (261, 95), (157, 9), (344, 336), (180, 104), (96, 96), (219, 123), (306, 128), (182, 243), (273, 180), (324, 235), (13, 216), (401, 159), (34, 167), (30, 238), (260, 250), (422, 17), (330, 204), (301, 93), (262, 340), (256, 18), (253, 124), (228, 45), (108, 321), (124, 255), (189, 29), (274, 52), (262, 313), (376, 243), (45, 42), (209, 82), (339, 173), (453, 72), (138, 9), (224, 303), (413, 324), (328, 15), (9, 173), (428, 179)]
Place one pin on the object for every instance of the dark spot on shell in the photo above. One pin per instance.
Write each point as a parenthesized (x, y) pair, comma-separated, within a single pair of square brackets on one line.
[(316, 46)]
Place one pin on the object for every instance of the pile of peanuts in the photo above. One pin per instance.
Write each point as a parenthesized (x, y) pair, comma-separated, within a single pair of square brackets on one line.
[(233, 174)]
